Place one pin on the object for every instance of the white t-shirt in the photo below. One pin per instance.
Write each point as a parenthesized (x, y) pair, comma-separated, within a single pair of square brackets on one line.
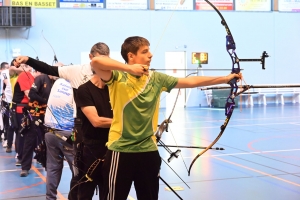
[(76, 75), (1, 83), (60, 102), (7, 92)]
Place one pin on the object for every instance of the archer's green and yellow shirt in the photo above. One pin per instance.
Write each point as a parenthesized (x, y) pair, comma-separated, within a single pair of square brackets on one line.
[(135, 103)]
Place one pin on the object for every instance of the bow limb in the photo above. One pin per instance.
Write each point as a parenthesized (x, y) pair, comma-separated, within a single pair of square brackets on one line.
[(55, 58), (164, 126), (223, 127), (37, 57), (230, 45)]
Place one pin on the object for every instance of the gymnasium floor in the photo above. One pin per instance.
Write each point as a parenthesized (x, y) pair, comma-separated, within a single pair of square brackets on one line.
[(260, 162)]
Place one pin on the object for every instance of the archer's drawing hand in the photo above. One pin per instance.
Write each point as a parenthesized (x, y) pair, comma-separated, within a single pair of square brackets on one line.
[(139, 70), (20, 60)]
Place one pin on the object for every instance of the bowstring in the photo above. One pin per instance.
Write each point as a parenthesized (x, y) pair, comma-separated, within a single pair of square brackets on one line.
[(241, 98), (156, 47)]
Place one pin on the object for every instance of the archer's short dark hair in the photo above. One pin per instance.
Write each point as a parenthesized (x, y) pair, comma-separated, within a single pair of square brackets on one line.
[(132, 44)]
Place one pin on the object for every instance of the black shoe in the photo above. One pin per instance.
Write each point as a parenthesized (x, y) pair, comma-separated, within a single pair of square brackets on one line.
[(8, 149), (24, 173)]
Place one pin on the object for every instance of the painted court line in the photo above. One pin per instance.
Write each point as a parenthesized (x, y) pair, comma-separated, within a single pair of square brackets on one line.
[(59, 195), (13, 170), (258, 171), (255, 152), (130, 198), (22, 188), (295, 123), (10, 170), (240, 125)]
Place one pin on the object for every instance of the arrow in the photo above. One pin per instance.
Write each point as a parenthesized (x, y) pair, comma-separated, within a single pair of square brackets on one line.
[(193, 69)]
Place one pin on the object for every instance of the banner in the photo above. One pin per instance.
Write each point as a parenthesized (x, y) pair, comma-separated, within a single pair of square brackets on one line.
[(81, 4), (253, 5), (289, 6), (35, 3), (219, 4), (127, 4), (173, 5)]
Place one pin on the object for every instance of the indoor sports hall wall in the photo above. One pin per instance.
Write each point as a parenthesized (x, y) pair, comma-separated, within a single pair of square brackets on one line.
[(72, 31)]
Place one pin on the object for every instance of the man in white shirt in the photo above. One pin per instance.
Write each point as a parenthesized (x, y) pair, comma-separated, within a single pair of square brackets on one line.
[(59, 118)]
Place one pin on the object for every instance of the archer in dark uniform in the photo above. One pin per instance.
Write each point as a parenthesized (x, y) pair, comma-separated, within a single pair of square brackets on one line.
[(95, 104), (33, 133)]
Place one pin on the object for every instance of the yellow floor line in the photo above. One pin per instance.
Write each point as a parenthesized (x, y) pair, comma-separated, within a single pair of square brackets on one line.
[(258, 171)]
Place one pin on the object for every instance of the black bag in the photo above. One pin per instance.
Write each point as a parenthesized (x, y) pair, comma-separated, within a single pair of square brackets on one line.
[(13, 118), (78, 158), (41, 153)]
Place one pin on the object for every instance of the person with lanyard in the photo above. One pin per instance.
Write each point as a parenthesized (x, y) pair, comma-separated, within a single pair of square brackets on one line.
[(76, 75), (34, 113), (59, 122), (134, 90), (95, 105)]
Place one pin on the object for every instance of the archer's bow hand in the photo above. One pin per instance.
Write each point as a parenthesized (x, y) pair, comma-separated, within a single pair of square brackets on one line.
[(20, 60), (234, 76)]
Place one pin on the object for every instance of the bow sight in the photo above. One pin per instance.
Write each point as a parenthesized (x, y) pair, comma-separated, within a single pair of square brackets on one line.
[(261, 59)]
